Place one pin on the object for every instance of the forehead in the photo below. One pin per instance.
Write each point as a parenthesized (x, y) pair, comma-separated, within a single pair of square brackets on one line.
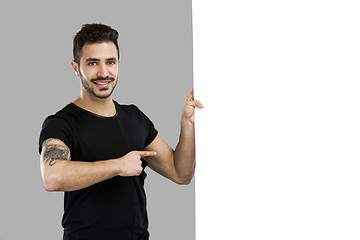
[(101, 50)]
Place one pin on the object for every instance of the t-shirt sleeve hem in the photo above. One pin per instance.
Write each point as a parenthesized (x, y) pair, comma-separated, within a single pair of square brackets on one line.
[(54, 127), (151, 138), (54, 137)]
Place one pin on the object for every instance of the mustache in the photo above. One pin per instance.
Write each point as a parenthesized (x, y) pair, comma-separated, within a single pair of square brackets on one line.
[(102, 78)]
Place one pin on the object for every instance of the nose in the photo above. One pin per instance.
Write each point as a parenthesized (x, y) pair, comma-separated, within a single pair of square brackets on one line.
[(102, 70)]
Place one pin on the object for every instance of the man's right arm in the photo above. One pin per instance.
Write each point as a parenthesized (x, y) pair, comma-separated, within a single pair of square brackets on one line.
[(59, 173)]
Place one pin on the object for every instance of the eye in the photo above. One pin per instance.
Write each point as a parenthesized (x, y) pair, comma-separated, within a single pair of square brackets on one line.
[(91, 63), (111, 62)]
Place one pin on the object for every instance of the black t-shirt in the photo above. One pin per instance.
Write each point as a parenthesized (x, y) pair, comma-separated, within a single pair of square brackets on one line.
[(114, 208)]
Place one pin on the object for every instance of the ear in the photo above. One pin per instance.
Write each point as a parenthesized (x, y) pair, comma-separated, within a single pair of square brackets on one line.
[(75, 67)]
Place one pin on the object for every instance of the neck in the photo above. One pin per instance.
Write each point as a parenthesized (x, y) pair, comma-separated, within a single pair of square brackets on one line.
[(103, 107)]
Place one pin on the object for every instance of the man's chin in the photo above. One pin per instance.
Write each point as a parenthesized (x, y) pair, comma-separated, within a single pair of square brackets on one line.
[(104, 95), (103, 89)]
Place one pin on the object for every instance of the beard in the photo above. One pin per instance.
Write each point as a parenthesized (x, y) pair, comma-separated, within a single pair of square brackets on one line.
[(90, 90)]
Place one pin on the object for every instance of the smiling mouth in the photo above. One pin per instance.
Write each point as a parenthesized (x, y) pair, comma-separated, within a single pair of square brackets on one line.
[(103, 82)]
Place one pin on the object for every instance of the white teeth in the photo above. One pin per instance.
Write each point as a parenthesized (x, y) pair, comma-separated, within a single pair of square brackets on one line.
[(102, 83)]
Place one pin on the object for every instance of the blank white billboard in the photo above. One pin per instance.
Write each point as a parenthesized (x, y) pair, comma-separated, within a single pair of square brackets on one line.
[(278, 139)]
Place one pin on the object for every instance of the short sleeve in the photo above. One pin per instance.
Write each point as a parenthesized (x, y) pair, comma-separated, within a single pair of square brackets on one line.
[(151, 130), (55, 127)]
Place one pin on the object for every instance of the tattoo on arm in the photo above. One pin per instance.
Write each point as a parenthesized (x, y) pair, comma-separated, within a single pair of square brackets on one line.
[(47, 141), (55, 152)]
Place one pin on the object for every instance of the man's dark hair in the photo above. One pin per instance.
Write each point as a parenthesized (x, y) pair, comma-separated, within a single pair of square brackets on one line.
[(93, 33)]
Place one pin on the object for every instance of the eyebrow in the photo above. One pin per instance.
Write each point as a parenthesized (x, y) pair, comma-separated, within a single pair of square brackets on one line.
[(98, 60), (92, 60)]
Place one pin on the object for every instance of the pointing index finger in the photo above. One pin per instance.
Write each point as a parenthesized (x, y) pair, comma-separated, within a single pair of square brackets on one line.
[(146, 153)]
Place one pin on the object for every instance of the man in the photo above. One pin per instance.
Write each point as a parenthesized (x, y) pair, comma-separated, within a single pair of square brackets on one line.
[(95, 150)]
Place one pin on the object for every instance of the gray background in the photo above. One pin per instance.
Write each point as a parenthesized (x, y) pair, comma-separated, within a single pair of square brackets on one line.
[(37, 80)]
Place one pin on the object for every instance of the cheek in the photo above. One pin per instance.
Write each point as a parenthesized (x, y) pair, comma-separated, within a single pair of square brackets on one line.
[(113, 72), (114, 68), (87, 74)]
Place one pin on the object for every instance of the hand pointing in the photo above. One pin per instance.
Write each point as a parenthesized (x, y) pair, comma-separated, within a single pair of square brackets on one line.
[(130, 164)]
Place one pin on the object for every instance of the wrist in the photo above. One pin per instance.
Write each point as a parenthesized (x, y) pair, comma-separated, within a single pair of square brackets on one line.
[(186, 123), (111, 166), (118, 166)]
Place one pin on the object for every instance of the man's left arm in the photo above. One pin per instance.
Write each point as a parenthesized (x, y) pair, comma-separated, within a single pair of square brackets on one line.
[(178, 165)]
